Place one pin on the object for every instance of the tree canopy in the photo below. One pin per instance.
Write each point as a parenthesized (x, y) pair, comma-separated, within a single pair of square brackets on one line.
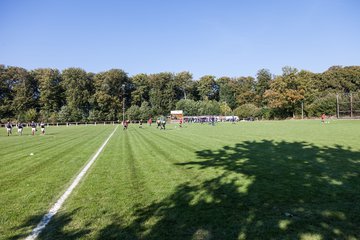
[(73, 94)]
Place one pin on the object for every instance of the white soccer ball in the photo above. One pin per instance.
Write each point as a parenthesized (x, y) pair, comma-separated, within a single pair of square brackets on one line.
[(31, 154)]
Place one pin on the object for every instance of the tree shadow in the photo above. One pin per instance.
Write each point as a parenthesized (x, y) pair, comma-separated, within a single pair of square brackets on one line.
[(251, 190), (117, 230), (21, 231), (55, 229), (260, 189)]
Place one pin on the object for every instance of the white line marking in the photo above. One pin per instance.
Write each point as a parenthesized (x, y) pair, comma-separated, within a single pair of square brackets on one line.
[(54, 209)]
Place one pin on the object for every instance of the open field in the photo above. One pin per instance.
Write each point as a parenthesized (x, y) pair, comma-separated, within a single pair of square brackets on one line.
[(250, 180)]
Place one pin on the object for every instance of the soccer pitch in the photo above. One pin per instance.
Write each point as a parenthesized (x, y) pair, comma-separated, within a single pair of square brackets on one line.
[(249, 180)]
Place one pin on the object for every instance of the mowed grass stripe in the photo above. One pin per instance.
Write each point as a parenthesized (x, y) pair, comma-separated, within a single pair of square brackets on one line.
[(143, 172), (56, 152), (38, 180), (22, 142), (159, 161), (49, 147), (131, 146), (27, 143), (171, 148), (95, 203), (47, 154), (132, 165), (56, 207)]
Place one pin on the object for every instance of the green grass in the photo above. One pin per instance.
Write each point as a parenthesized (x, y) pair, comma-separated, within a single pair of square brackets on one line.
[(30, 184), (250, 180)]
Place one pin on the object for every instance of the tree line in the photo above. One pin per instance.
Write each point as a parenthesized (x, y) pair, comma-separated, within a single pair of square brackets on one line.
[(73, 94)]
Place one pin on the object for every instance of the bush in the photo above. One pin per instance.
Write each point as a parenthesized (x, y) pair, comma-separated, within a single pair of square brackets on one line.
[(94, 115), (188, 106), (247, 110), (266, 113), (133, 113), (208, 107), (322, 105), (145, 111), (64, 114), (53, 117), (31, 115)]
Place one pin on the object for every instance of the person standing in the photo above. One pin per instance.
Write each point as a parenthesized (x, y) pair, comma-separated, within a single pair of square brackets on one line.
[(125, 124), (140, 123), (163, 123), (323, 116), (20, 128), (9, 128), (42, 126), (33, 128)]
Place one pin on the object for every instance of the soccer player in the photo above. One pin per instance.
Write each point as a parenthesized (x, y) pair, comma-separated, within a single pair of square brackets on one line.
[(42, 126), (323, 118), (8, 128), (125, 125), (33, 128), (180, 123), (140, 123), (163, 123), (20, 128)]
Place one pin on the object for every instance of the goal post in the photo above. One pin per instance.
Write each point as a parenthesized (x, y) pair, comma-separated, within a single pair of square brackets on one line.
[(348, 105)]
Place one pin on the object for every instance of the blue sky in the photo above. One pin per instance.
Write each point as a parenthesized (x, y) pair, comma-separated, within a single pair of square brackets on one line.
[(220, 38)]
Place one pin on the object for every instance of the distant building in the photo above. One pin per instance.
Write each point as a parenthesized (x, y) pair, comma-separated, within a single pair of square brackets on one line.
[(176, 115)]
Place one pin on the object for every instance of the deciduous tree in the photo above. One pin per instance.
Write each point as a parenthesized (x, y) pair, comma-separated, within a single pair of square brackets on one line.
[(78, 88)]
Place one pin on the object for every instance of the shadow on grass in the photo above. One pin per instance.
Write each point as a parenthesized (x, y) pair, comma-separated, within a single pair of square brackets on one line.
[(261, 190), (55, 229), (252, 190), (28, 224)]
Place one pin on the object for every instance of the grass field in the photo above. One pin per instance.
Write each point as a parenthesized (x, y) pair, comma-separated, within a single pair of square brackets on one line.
[(250, 180)]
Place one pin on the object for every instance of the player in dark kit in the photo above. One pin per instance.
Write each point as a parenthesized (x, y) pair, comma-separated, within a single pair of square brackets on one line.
[(20, 128), (140, 123), (163, 123), (8, 128), (33, 128)]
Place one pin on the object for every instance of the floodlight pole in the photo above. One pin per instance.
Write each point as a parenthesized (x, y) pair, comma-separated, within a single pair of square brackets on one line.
[(123, 88), (351, 105), (337, 105)]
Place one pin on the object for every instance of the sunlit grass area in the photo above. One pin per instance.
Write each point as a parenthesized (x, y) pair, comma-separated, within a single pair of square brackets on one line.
[(250, 180), (35, 170)]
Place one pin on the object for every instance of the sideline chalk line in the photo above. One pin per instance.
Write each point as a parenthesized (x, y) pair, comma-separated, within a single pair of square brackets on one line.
[(54, 209)]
